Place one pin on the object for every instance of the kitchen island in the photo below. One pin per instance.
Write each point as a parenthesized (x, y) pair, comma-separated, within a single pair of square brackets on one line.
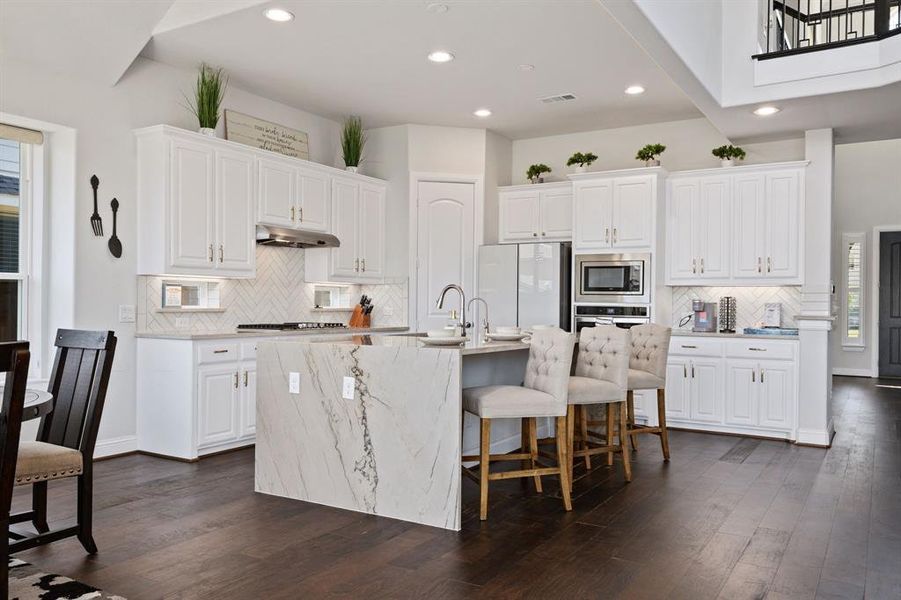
[(373, 423)]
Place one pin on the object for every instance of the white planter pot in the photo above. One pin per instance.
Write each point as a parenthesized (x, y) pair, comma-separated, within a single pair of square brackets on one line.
[(351, 169), (208, 131), (654, 162), (728, 162)]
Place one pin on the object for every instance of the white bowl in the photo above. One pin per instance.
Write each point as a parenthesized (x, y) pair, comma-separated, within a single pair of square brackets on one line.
[(507, 330), (441, 333), (540, 327)]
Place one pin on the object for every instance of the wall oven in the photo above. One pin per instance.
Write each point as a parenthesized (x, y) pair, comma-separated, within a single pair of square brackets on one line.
[(624, 317), (613, 278)]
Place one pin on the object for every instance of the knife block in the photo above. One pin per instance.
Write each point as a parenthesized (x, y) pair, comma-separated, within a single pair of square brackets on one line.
[(358, 320)]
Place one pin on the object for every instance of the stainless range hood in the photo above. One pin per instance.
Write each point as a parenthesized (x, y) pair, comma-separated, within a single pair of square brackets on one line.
[(292, 238)]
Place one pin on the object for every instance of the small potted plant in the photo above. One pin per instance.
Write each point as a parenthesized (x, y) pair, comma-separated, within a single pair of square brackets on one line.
[(582, 161), (534, 173), (650, 154), (352, 141), (728, 154), (208, 93)]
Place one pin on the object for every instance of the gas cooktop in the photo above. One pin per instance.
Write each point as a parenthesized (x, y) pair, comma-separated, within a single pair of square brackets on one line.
[(300, 325)]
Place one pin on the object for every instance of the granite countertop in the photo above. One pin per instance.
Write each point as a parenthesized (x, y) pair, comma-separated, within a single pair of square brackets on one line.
[(231, 333), (690, 333), (412, 340)]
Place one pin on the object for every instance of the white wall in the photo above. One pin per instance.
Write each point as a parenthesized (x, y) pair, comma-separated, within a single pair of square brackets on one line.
[(498, 163), (688, 145), (450, 150), (867, 194), (103, 118)]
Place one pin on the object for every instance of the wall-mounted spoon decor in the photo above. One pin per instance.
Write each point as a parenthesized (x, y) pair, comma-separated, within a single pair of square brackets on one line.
[(115, 246), (96, 222)]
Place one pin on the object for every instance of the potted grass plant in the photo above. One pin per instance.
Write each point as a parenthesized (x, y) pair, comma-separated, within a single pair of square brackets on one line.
[(582, 161), (535, 172), (650, 154), (352, 141), (208, 93), (728, 154)]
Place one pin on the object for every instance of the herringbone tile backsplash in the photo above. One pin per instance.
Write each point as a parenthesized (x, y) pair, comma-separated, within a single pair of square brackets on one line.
[(750, 302), (277, 294)]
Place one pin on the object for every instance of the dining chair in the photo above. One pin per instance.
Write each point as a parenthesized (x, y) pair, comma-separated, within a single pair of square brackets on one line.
[(543, 394), (67, 435), (647, 371), (601, 376), (14, 360)]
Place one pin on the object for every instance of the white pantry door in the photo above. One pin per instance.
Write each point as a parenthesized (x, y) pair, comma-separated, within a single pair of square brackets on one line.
[(445, 248)]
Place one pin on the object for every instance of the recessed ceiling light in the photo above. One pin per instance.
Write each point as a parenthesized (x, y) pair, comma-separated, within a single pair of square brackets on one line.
[(437, 8), (482, 112), (526, 67), (441, 56), (634, 90), (766, 111), (278, 15)]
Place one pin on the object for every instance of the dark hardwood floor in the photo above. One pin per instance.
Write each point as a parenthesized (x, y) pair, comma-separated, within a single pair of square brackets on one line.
[(729, 517)]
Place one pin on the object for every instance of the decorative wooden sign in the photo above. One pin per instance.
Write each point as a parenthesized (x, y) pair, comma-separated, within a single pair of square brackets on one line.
[(264, 135)]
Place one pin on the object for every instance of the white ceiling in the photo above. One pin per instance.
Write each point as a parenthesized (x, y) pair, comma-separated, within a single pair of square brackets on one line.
[(368, 57)]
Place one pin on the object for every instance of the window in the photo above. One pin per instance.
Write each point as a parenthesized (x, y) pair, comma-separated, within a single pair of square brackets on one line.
[(853, 325), (15, 185)]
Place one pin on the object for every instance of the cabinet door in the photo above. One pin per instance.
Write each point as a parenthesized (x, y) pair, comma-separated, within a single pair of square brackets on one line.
[(277, 193), (592, 212), (682, 256), (313, 200), (248, 402), (191, 208), (346, 215), (217, 398), (520, 218), (776, 379), (783, 227), (372, 231), (556, 215), (677, 388), (236, 223), (633, 202), (742, 386), (713, 227), (748, 227), (706, 390)]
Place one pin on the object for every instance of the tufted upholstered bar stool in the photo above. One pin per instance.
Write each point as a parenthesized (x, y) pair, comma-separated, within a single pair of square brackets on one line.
[(601, 375), (647, 371), (543, 394)]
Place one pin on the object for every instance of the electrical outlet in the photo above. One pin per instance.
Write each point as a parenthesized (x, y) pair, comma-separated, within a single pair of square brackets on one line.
[(347, 390), (293, 383), (126, 313)]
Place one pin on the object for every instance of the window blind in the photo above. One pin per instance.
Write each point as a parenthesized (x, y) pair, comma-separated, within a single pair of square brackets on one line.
[(21, 134)]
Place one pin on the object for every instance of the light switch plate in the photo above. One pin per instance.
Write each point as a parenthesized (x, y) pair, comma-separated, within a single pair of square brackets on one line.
[(347, 390), (293, 383), (126, 313)]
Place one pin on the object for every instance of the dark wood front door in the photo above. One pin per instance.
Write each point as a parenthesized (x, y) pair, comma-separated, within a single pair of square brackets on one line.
[(890, 304)]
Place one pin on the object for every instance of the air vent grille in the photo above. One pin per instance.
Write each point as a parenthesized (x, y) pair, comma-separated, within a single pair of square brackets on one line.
[(557, 98)]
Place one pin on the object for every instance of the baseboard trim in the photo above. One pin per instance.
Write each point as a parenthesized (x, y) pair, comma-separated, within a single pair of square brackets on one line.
[(126, 444), (819, 438), (841, 371)]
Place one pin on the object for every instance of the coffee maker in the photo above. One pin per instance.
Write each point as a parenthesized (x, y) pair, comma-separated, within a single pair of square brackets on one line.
[(705, 316)]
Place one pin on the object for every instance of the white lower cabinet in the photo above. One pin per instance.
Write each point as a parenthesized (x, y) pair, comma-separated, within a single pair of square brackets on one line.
[(736, 385), (196, 397)]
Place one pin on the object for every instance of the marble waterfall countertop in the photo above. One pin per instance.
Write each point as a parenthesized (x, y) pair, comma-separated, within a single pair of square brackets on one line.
[(255, 333), (474, 345), (716, 334)]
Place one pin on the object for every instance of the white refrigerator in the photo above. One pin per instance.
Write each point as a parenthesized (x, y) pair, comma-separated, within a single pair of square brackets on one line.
[(526, 284)]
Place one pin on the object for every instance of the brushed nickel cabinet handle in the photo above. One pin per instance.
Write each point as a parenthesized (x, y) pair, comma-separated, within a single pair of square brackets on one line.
[(753, 376), (684, 371), (236, 380), (292, 214), (357, 265), (694, 266), (614, 235), (688, 346), (607, 235), (221, 253), (245, 378), (761, 375), (363, 265), (301, 214), (759, 265), (769, 264), (210, 255), (692, 370), (223, 351), (702, 265), (753, 349)]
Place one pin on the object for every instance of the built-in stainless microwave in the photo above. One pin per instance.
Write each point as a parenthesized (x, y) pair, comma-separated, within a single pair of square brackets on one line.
[(613, 278)]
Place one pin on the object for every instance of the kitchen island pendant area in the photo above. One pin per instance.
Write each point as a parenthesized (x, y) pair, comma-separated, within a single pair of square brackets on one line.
[(374, 423)]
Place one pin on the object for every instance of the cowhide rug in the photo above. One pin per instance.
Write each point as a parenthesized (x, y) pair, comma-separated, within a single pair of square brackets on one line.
[(26, 582)]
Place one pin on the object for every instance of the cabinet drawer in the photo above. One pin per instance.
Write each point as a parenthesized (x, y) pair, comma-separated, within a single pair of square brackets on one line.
[(695, 346), (760, 349), (217, 353)]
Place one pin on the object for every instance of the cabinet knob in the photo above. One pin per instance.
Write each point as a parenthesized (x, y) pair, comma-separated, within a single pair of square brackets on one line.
[(534, 235), (543, 233)]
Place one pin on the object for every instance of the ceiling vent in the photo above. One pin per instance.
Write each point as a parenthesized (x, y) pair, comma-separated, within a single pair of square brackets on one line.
[(558, 98)]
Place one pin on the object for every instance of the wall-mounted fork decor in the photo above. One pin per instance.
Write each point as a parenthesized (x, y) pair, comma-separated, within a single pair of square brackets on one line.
[(96, 221)]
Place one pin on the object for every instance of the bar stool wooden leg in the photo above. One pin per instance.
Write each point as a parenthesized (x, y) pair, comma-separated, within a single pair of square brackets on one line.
[(661, 418), (630, 401), (39, 506), (583, 432), (569, 436), (609, 441), (484, 463), (563, 460), (533, 449), (623, 441)]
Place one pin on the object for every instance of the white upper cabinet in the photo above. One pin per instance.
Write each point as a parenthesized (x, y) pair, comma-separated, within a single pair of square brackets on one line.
[(372, 231), (293, 195), (535, 213), (738, 227), (314, 207), (196, 205), (615, 210)]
